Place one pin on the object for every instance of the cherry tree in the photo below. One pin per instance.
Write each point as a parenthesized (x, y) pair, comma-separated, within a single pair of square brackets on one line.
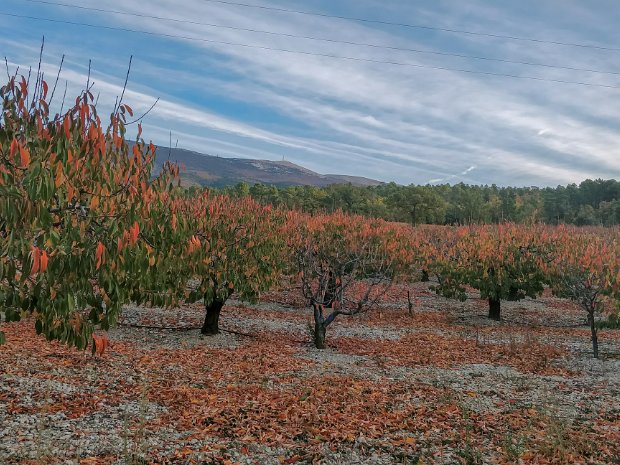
[(503, 262), (586, 269), (345, 263), (74, 196)]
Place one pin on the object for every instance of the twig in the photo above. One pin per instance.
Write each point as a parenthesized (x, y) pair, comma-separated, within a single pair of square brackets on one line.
[(8, 74), (120, 100), (143, 115), (409, 303), (88, 77), (239, 333), (183, 328), (62, 60), (64, 96), (39, 77), (28, 86)]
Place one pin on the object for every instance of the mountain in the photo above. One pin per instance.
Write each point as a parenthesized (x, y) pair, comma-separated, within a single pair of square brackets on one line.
[(208, 170)]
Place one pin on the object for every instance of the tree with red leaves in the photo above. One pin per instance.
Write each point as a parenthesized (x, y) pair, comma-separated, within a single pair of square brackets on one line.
[(236, 246), (586, 269), (503, 262), (345, 263), (74, 196)]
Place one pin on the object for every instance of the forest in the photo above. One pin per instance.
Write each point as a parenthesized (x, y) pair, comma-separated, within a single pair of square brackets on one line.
[(592, 202)]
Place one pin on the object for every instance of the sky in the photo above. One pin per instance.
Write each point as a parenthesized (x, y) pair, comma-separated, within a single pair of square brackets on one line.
[(400, 108)]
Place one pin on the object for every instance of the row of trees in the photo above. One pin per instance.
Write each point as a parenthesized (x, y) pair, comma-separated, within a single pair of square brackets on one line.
[(589, 203), (85, 229), (511, 262)]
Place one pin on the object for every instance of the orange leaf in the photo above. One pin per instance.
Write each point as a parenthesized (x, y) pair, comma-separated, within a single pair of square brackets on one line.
[(101, 343), (24, 156), (43, 261), (99, 254), (23, 86), (60, 176), (36, 260), (14, 148), (67, 126), (134, 231)]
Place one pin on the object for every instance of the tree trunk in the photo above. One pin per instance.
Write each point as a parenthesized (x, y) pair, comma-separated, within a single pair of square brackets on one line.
[(594, 334), (332, 291), (494, 309), (319, 335), (414, 216), (320, 325), (212, 317), (330, 296), (409, 303), (425, 277)]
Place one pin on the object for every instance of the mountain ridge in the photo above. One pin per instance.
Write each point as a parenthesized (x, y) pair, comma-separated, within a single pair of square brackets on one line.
[(210, 170)]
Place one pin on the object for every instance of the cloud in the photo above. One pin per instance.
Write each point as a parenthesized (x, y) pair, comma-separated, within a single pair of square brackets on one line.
[(389, 122)]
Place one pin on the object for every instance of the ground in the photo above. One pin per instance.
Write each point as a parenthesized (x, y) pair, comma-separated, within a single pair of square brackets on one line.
[(444, 386)]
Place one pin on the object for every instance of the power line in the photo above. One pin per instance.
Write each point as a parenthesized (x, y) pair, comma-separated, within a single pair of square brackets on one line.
[(322, 39), (300, 52), (414, 26)]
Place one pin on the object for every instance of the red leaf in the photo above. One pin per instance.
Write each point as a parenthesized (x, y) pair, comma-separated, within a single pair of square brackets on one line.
[(67, 126), (99, 254), (24, 157), (14, 148), (134, 232), (43, 261), (36, 260)]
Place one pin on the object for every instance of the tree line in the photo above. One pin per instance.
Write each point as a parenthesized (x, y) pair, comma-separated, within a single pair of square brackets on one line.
[(592, 202)]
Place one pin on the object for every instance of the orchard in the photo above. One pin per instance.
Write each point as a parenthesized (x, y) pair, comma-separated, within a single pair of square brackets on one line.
[(88, 232), (86, 228)]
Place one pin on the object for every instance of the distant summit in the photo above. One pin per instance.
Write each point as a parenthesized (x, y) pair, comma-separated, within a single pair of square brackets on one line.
[(209, 170)]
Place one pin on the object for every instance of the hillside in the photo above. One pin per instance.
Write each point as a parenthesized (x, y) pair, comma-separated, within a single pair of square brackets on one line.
[(208, 170)]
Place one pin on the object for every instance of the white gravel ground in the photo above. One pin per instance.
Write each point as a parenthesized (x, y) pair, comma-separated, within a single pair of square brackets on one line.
[(593, 391)]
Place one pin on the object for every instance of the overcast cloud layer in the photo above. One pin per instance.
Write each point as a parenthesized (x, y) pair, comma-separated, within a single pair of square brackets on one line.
[(406, 124)]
